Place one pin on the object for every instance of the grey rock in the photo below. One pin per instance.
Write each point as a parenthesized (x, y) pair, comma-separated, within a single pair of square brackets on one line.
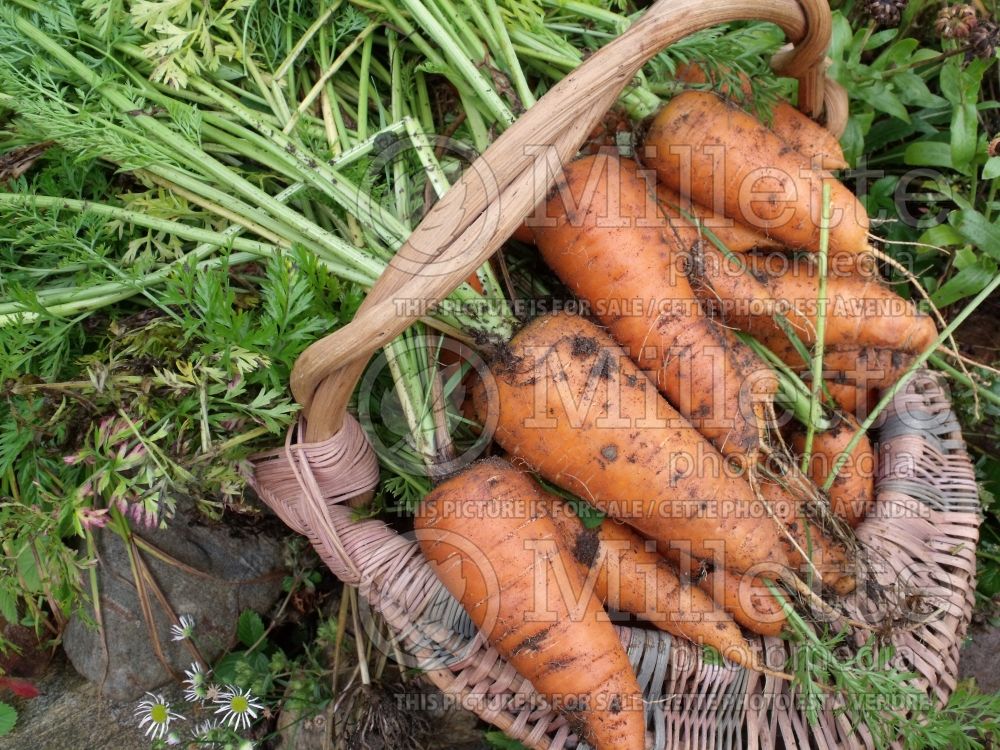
[(71, 715), (212, 572), (980, 658)]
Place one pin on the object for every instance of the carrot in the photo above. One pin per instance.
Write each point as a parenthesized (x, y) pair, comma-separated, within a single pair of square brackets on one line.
[(854, 376), (629, 575), (853, 491), (829, 558), (731, 293), (797, 130), (737, 237), (806, 136), (599, 229), (861, 312), (494, 548), (705, 147), (850, 398), (603, 236), (524, 234), (856, 379), (570, 403), (880, 367), (747, 599)]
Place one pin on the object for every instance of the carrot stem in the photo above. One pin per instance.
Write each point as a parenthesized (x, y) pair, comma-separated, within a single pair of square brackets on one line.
[(524, 92), (821, 303)]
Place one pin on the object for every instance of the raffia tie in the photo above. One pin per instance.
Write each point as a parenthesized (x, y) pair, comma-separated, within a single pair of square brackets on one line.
[(308, 484)]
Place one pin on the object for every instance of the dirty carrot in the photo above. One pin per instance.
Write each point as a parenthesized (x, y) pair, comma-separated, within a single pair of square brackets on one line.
[(603, 235), (853, 490), (861, 312), (569, 402), (736, 237), (497, 551), (706, 147), (629, 575), (609, 245), (747, 599), (796, 129)]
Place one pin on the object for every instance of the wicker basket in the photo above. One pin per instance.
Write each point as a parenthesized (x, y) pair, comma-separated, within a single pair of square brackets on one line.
[(925, 525)]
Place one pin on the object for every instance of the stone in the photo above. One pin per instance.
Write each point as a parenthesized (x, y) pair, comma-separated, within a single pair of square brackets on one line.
[(980, 658), (209, 571), (71, 715)]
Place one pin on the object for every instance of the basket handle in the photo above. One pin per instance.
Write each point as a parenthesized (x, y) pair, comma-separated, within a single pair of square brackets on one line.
[(505, 183)]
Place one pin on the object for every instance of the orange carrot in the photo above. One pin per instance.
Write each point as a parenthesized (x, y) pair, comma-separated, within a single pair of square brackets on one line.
[(524, 234), (731, 293), (747, 599), (495, 549), (861, 311), (570, 403), (880, 366), (829, 559), (800, 132), (737, 237), (599, 229), (853, 490), (629, 575), (856, 379), (604, 237), (854, 376), (747, 291), (707, 148)]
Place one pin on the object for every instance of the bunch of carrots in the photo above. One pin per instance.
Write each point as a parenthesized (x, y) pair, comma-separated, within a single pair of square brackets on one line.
[(658, 409)]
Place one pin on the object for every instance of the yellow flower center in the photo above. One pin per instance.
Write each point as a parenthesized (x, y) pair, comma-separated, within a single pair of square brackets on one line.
[(239, 704), (158, 714)]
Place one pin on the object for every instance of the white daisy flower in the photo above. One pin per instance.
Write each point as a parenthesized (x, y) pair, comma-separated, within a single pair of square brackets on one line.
[(195, 683), (155, 712), (184, 630), (238, 707), (203, 729)]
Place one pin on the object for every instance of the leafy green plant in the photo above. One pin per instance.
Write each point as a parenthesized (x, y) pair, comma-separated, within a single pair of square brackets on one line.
[(924, 117), (8, 718)]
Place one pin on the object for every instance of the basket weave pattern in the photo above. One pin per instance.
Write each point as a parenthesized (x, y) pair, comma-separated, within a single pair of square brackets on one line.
[(925, 524), (926, 519)]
